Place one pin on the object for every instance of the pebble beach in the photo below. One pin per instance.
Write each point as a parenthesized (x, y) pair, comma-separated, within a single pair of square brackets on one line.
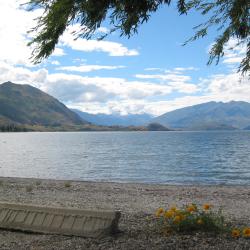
[(137, 203)]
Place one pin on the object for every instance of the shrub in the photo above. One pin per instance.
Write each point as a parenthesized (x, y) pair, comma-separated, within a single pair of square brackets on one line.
[(67, 184), (38, 182), (29, 188), (192, 218)]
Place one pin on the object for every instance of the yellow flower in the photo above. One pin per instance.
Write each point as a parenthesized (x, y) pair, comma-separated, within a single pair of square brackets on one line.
[(183, 217), (169, 214), (174, 208), (177, 211), (191, 208), (159, 212), (246, 232), (235, 233), (177, 219), (207, 206), (199, 221)]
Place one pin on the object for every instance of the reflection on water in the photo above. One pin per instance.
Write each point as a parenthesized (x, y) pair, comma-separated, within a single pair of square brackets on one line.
[(150, 157)]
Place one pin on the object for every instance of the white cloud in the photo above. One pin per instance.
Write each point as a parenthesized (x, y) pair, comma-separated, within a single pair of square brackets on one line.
[(14, 23), (89, 68), (58, 52), (232, 60), (185, 69), (167, 77), (103, 30), (233, 52), (110, 87), (225, 88), (177, 70), (152, 69), (111, 94), (75, 89), (81, 44), (151, 93), (22, 75), (176, 81), (55, 62)]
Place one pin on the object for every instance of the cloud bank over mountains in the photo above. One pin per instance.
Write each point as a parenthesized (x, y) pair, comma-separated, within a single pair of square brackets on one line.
[(101, 87)]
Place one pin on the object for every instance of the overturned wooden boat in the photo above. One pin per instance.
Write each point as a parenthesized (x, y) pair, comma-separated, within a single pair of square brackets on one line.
[(54, 220)]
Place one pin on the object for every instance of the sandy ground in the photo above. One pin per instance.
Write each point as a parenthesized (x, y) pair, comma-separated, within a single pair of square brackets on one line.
[(137, 202)]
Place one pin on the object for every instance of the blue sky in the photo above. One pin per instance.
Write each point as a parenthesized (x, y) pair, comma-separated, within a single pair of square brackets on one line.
[(150, 72)]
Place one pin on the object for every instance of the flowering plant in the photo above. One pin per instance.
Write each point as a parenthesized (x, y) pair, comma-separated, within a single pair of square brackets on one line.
[(192, 217)]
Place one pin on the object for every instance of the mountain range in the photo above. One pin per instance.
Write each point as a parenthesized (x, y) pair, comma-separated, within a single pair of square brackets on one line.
[(26, 108), (208, 116), (24, 105), (115, 119)]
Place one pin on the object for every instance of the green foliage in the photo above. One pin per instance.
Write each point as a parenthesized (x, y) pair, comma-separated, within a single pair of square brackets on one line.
[(232, 20), (12, 128), (230, 16), (211, 222), (192, 218)]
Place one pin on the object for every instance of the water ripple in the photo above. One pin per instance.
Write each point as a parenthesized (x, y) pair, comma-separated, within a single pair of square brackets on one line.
[(150, 157)]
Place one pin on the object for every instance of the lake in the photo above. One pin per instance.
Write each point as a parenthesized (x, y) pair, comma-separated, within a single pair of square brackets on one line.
[(216, 157)]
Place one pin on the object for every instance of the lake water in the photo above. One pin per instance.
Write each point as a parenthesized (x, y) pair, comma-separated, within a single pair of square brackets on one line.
[(149, 157)]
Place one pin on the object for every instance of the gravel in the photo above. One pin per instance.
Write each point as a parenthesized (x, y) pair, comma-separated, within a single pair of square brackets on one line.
[(137, 203)]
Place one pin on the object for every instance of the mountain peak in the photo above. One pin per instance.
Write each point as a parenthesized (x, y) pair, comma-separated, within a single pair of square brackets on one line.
[(25, 104), (8, 83), (210, 115)]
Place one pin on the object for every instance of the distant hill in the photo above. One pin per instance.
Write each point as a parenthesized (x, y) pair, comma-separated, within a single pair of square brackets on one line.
[(247, 128), (208, 116), (156, 127), (115, 119), (26, 105), (25, 108)]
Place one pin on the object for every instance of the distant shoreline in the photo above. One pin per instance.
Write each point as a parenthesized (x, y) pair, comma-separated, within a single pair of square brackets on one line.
[(124, 130), (126, 183), (81, 128)]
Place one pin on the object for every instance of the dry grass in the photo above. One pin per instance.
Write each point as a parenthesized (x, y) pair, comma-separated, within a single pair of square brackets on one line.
[(29, 188), (67, 184), (38, 182)]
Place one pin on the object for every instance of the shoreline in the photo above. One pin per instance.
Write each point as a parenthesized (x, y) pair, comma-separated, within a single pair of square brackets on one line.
[(156, 195), (137, 203), (32, 179)]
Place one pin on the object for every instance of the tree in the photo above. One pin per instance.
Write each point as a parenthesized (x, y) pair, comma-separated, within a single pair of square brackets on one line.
[(231, 17)]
